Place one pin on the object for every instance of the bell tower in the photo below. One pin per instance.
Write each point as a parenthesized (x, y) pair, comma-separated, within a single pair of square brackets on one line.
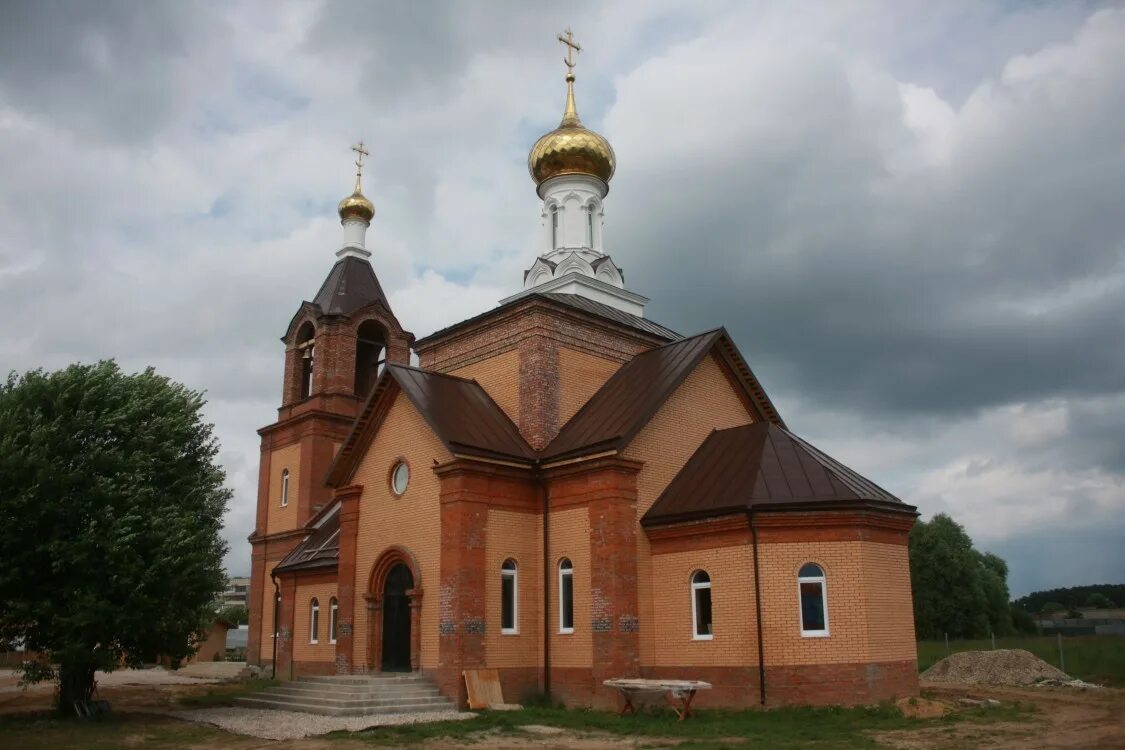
[(335, 349)]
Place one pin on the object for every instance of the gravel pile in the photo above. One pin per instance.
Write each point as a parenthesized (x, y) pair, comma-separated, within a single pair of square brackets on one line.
[(291, 725), (1000, 667)]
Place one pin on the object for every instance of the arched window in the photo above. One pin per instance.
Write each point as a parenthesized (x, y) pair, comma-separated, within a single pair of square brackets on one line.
[(701, 606), (370, 354), (590, 211), (812, 593), (284, 487), (306, 343), (566, 596), (509, 598), (554, 226), (333, 608), (314, 621)]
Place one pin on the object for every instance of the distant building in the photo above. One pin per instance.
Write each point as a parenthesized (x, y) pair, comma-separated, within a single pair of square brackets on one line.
[(237, 592)]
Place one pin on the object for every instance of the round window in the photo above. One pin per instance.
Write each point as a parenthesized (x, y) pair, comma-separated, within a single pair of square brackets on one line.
[(400, 478)]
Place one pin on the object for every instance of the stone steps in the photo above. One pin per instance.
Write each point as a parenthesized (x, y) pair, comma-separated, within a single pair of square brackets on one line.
[(348, 695)]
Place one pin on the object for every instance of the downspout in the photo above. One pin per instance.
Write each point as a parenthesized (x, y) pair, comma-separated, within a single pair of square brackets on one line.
[(758, 609), (276, 629), (542, 482)]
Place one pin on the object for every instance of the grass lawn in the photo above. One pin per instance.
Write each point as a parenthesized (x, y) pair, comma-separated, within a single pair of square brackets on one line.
[(1094, 658), (708, 730), (42, 731), (224, 695)]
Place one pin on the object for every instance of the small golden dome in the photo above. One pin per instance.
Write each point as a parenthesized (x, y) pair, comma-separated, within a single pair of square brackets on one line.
[(356, 205), (571, 148)]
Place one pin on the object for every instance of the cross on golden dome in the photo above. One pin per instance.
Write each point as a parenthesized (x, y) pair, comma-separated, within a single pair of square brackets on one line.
[(360, 153), (567, 38)]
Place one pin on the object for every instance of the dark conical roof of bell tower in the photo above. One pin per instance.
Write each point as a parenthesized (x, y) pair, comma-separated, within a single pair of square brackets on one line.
[(350, 285)]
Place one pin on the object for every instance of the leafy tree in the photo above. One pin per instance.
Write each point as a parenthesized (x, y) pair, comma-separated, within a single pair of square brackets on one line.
[(1098, 600), (1071, 597), (112, 506), (1022, 621), (1051, 608), (957, 590), (235, 613)]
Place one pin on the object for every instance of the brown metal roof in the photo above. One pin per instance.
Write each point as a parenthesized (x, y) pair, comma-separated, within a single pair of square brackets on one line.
[(350, 285), (574, 302), (319, 550), (621, 407), (462, 414), (763, 466)]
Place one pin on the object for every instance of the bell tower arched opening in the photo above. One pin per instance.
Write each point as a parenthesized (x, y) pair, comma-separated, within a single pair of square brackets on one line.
[(370, 356), (306, 345)]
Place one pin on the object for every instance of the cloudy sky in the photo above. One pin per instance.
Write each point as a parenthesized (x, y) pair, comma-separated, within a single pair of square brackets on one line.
[(911, 216)]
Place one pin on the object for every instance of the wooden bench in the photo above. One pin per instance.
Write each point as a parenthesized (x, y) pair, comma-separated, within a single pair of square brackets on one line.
[(678, 693)]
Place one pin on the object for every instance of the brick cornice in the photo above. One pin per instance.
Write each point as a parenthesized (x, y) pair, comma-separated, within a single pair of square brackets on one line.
[(585, 465)]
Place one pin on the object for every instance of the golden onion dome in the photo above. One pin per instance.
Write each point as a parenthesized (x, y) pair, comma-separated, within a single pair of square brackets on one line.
[(356, 205), (571, 148)]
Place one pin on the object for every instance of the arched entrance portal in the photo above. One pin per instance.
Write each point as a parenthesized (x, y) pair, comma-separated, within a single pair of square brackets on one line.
[(396, 619), (394, 606)]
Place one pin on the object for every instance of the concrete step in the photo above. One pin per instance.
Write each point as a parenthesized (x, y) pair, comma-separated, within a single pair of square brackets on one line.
[(360, 687), (380, 679), (354, 703), (413, 692), (311, 708)]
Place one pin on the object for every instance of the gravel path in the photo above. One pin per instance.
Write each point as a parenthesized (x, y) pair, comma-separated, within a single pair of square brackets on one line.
[(291, 725)]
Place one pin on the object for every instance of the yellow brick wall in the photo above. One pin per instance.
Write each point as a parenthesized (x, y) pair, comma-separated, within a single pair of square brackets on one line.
[(499, 376), (704, 402), (847, 604), (277, 517), (323, 650), (570, 537), (890, 608), (269, 594), (412, 521), (518, 536), (735, 639), (580, 376)]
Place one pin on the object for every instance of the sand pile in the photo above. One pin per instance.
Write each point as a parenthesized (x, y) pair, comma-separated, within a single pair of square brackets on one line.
[(1001, 667)]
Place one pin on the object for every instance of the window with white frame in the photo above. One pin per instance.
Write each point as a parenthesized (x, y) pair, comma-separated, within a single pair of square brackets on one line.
[(590, 222), (284, 487), (566, 596), (554, 226), (701, 606), (314, 621), (509, 598), (812, 594), (333, 608)]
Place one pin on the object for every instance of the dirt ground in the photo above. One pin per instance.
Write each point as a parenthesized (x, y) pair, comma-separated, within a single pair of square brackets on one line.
[(1065, 718)]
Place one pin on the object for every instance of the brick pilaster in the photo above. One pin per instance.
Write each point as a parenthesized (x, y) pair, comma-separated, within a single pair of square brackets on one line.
[(345, 577)]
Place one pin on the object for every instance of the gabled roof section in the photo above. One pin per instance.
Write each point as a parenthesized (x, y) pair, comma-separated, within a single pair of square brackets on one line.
[(350, 285), (763, 466), (633, 394), (321, 548), (461, 414), (574, 302)]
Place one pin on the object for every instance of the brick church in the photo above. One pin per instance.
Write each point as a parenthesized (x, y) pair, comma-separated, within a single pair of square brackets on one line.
[(563, 490)]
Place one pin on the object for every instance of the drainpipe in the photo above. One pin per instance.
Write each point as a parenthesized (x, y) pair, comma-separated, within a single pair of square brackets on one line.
[(276, 614), (542, 482), (758, 610)]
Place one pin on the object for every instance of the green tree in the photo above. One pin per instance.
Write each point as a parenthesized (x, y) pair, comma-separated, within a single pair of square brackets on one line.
[(1051, 608), (1022, 621), (235, 613), (1099, 601), (957, 590), (112, 506)]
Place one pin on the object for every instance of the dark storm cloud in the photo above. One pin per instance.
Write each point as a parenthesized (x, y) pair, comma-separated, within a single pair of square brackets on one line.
[(106, 69)]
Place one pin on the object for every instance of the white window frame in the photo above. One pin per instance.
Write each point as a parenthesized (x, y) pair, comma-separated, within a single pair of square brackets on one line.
[(284, 487), (512, 573), (554, 211), (822, 579), (569, 572), (333, 613), (695, 587), (314, 620)]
